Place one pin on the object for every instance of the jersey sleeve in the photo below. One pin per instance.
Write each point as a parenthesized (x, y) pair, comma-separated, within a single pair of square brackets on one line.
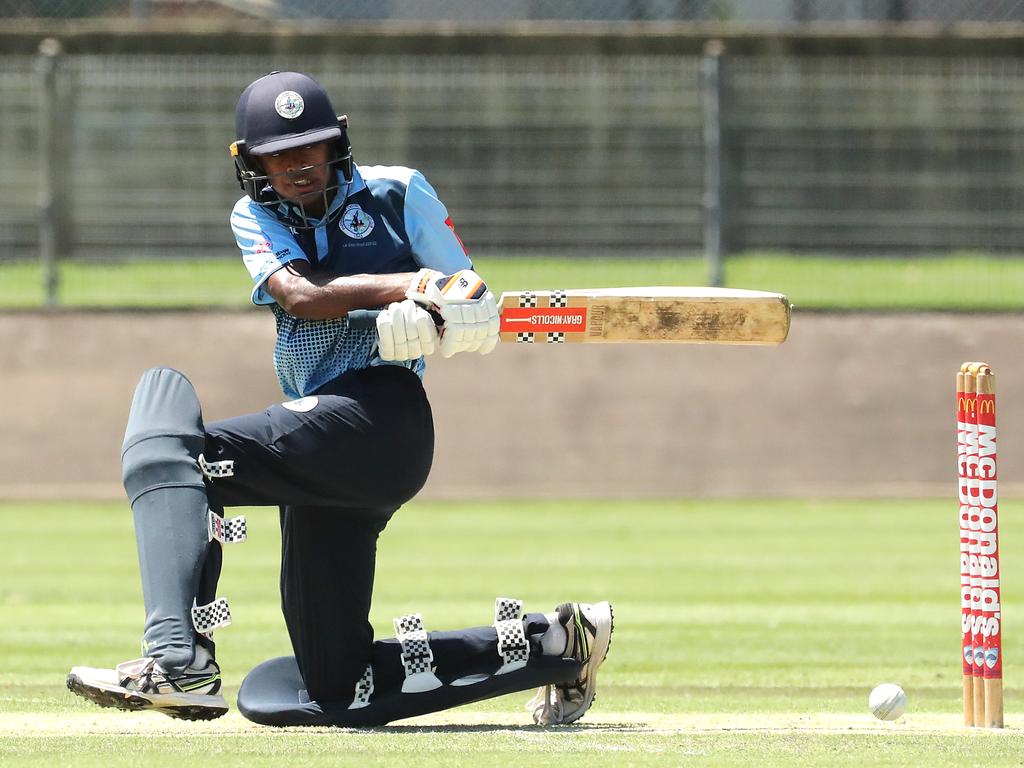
[(265, 243), (431, 232)]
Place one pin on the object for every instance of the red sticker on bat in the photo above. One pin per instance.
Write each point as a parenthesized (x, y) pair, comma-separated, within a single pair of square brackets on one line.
[(544, 320)]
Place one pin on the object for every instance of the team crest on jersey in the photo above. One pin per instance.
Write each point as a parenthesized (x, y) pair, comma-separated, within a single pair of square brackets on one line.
[(355, 222), (289, 104)]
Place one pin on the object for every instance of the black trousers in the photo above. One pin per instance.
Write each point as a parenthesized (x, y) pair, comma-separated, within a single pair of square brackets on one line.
[(338, 464)]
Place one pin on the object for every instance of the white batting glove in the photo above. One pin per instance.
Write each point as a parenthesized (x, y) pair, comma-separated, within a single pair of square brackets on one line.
[(467, 307), (405, 331)]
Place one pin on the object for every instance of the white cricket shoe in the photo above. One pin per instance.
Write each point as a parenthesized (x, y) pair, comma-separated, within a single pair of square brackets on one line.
[(143, 684), (589, 629)]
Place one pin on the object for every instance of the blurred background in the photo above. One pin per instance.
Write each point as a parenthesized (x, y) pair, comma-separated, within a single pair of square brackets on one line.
[(862, 157), (798, 538), (852, 153)]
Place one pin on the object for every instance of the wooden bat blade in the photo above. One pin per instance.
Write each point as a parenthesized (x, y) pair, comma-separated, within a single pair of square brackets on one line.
[(688, 315)]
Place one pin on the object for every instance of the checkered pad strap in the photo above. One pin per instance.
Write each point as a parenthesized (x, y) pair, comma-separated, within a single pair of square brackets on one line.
[(417, 658), (522, 337), (527, 299), (227, 531), (556, 337), (364, 687), (559, 299), (215, 469), (506, 609), (512, 645), (215, 615)]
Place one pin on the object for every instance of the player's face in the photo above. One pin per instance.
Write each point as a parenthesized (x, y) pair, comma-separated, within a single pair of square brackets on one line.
[(301, 175)]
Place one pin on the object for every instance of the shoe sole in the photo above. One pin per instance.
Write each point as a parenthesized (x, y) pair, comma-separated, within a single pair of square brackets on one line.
[(172, 705)]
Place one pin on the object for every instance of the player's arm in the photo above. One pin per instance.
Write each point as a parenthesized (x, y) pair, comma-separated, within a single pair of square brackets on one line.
[(282, 274), (405, 330), (310, 294)]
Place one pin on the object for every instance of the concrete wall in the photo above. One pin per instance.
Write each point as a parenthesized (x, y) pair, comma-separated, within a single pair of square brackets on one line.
[(851, 405)]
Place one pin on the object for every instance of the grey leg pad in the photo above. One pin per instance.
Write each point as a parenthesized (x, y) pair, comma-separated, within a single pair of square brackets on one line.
[(164, 437)]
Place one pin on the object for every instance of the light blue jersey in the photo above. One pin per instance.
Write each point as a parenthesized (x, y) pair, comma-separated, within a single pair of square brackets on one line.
[(391, 221)]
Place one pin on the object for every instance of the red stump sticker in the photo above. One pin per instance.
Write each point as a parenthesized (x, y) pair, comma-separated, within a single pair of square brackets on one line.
[(988, 536)]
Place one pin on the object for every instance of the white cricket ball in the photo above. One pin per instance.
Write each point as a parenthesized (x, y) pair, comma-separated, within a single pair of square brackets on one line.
[(888, 701)]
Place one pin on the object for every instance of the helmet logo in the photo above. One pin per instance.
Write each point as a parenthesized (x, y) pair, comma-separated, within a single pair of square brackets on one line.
[(356, 223), (289, 104)]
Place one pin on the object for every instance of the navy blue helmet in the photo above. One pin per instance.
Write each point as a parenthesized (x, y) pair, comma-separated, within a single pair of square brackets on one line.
[(278, 112)]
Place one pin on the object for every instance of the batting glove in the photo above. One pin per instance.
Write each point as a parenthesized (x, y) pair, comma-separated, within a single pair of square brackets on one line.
[(467, 307), (405, 331)]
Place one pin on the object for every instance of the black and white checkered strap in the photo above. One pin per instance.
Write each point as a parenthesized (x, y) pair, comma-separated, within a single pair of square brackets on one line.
[(417, 658), (215, 615), (526, 299), (364, 688), (215, 469), (226, 531), (512, 645)]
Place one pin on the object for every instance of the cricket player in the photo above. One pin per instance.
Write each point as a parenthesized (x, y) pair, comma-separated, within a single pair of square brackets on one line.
[(322, 237)]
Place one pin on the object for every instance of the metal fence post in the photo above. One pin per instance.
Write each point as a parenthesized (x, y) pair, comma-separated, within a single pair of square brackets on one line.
[(711, 98), (51, 207)]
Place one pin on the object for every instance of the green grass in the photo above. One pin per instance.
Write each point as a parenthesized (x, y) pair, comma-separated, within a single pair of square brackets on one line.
[(747, 634), (957, 282)]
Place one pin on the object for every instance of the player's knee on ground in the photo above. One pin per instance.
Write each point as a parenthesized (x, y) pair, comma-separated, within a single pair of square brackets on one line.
[(338, 684)]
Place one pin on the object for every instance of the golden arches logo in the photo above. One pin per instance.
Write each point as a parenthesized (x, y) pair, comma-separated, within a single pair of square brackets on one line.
[(967, 403), (987, 406)]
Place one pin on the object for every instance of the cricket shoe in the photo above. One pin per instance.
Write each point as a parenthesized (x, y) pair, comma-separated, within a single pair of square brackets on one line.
[(143, 684), (589, 630)]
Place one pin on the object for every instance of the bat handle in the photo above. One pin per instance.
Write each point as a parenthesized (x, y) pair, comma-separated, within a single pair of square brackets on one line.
[(362, 319)]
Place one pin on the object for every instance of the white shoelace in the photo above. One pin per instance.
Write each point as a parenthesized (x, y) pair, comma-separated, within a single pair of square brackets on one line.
[(545, 706)]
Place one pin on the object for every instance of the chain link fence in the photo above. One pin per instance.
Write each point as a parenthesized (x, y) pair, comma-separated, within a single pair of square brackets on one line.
[(876, 155), (773, 11), (571, 155), (544, 154), (567, 155)]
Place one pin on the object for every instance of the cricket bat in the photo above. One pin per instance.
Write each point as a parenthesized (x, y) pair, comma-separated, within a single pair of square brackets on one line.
[(682, 315)]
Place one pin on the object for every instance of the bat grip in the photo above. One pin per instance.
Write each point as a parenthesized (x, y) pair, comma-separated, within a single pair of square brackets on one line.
[(362, 319)]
